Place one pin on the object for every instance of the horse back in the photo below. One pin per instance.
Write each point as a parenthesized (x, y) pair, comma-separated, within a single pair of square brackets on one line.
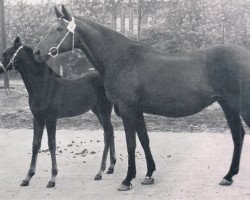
[(76, 96)]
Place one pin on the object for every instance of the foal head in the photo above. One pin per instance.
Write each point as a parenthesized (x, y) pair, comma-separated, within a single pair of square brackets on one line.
[(21, 58), (60, 38)]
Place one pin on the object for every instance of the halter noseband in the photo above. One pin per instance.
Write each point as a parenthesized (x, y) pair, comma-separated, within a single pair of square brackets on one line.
[(12, 60), (71, 29)]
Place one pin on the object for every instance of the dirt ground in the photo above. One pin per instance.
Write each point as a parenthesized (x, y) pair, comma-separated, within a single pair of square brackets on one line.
[(192, 154), (189, 166)]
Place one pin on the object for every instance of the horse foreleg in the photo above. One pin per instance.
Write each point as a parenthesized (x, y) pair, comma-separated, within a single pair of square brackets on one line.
[(128, 118), (37, 138), (144, 140), (238, 133), (51, 130)]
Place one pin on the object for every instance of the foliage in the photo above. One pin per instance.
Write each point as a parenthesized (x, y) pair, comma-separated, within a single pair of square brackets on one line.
[(178, 25), (191, 24)]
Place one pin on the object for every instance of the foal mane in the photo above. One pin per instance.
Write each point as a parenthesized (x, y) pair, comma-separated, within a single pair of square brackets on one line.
[(43, 64)]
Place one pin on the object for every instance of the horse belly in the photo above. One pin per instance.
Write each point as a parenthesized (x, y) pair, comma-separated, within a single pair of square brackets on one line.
[(174, 102), (75, 103)]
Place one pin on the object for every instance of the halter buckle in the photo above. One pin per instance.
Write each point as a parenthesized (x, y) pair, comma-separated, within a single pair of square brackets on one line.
[(53, 52)]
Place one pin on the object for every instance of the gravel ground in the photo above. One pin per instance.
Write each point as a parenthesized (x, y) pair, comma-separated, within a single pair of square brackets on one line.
[(189, 167), (192, 154)]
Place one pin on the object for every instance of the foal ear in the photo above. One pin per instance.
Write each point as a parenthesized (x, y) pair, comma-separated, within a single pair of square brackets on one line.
[(67, 16), (17, 42), (58, 13)]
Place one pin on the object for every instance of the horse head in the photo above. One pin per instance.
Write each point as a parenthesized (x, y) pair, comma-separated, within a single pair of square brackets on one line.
[(10, 56), (60, 38)]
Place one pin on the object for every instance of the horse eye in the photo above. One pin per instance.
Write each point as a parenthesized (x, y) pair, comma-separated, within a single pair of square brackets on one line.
[(59, 29)]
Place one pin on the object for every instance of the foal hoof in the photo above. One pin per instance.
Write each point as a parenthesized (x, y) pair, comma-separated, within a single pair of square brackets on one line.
[(123, 187), (25, 183), (98, 177), (51, 184), (110, 171), (226, 182), (148, 181)]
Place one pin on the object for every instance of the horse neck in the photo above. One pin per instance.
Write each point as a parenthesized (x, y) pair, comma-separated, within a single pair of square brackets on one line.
[(103, 46), (36, 84)]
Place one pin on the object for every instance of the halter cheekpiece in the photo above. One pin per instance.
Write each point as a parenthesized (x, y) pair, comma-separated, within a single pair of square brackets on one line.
[(12, 60), (71, 29)]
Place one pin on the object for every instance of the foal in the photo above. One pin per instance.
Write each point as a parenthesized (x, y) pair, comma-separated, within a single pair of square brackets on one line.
[(52, 97)]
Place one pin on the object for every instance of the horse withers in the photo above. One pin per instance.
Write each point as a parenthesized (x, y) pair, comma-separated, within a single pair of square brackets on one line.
[(52, 97), (140, 80)]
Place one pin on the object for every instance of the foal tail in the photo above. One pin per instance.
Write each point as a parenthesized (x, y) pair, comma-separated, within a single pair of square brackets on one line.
[(117, 111)]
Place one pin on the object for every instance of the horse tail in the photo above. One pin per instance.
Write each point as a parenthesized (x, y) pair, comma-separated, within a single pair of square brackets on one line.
[(117, 111)]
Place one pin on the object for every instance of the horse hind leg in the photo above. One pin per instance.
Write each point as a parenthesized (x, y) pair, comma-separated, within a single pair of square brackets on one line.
[(237, 130), (51, 131), (103, 113), (144, 140), (37, 138)]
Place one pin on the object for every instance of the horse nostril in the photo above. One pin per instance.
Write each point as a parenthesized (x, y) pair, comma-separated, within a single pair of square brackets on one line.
[(37, 52)]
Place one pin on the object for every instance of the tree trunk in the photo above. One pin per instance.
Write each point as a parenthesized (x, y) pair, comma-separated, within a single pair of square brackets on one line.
[(123, 20), (4, 41), (139, 19), (131, 19)]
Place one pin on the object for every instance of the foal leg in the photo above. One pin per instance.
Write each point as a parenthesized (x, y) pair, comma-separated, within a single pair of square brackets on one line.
[(144, 139), (37, 138), (237, 130), (112, 155), (51, 131), (129, 119), (103, 112)]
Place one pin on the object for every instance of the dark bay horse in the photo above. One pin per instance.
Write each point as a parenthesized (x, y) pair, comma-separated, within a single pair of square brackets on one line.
[(140, 80), (52, 97)]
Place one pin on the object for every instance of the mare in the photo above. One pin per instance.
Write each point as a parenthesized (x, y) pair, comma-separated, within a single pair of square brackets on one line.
[(139, 79), (52, 97)]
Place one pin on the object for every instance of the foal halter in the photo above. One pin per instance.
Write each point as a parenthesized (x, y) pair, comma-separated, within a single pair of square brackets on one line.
[(12, 60), (71, 29), (1, 66)]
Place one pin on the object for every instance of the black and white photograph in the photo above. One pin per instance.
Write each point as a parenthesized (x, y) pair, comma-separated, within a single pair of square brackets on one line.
[(124, 99)]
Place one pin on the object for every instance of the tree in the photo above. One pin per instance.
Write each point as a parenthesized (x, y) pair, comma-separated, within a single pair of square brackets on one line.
[(112, 6), (145, 7), (4, 41)]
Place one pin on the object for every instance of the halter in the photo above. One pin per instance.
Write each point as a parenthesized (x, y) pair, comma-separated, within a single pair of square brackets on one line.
[(12, 60), (71, 29), (1, 66)]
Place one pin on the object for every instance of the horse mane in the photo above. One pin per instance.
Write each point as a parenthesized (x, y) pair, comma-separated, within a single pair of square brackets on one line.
[(90, 22), (43, 64)]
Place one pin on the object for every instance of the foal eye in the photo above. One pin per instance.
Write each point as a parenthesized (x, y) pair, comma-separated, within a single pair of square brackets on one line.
[(59, 29)]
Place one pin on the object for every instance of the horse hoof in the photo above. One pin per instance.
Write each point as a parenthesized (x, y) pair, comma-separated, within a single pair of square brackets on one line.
[(25, 183), (123, 187), (51, 184), (98, 177), (148, 181), (226, 182), (110, 171)]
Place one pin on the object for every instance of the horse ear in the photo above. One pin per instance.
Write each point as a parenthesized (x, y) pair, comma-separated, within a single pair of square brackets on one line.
[(17, 42), (58, 13), (67, 16)]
